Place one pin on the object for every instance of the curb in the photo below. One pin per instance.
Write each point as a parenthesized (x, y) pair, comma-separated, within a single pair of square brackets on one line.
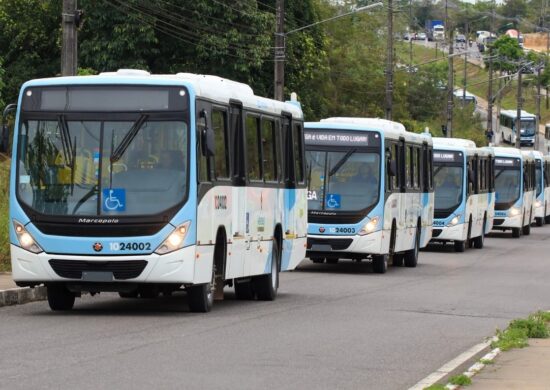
[(477, 367), (18, 296), (457, 366)]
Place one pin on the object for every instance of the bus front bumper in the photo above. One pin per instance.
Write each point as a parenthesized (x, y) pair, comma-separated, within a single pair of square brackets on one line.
[(177, 267), (539, 209), (458, 232), (503, 223), (346, 246)]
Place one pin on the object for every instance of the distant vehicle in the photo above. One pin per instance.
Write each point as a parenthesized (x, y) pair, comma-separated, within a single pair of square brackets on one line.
[(460, 38), (508, 131), (466, 97), (439, 32), (515, 34), (421, 36), (370, 191), (515, 190), (485, 42), (542, 176), (464, 192), (435, 30)]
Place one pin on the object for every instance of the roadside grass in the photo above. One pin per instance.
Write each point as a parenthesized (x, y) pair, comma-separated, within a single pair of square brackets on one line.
[(460, 380), (517, 333), (437, 386), (486, 361), (4, 220)]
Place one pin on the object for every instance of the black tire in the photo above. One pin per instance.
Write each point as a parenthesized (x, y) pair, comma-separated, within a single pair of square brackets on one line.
[(527, 229), (59, 298), (411, 256), (332, 260), (317, 260), (200, 297), (479, 242), (266, 286), (379, 264), (397, 260), (539, 221), (516, 232), (244, 291), (460, 246)]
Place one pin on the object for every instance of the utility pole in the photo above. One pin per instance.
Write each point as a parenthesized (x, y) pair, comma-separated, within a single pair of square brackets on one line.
[(389, 64), (537, 124), (518, 112), (464, 81), (490, 85), (69, 54), (450, 86), (279, 50), (410, 39)]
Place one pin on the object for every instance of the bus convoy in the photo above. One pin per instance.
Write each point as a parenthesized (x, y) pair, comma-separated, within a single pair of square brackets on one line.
[(144, 184)]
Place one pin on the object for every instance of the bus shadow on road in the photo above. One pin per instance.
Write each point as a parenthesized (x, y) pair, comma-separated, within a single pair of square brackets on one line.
[(345, 266)]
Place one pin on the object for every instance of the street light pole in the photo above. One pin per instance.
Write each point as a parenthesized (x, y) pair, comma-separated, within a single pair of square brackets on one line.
[(519, 104), (490, 86), (280, 42), (389, 63), (464, 81)]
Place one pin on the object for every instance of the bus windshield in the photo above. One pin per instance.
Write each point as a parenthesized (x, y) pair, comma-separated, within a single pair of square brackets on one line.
[(527, 127), (448, 182), (507, 182), (343, 181), (130, 165)]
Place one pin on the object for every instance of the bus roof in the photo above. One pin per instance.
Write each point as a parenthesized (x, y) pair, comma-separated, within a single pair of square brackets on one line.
[(528, 155), (501, 151), (537, 155), (207, 86), (389, 128), (513, 114), (459, 93), (467, 146)]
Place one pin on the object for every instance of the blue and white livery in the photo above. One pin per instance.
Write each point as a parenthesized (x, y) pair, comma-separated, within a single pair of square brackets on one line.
[(142, 183), (507, 127), (370, 191), (464, 193), (542, 194)]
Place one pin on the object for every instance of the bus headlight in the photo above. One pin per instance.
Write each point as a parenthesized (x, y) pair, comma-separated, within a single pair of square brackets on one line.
[(514, 211), (454, 221), (175, 240), (369, 226), (538, 203), (25, 239)]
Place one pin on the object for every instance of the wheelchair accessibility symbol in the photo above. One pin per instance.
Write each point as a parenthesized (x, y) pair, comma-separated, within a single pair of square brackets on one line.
[(114, 199), (333, 201)]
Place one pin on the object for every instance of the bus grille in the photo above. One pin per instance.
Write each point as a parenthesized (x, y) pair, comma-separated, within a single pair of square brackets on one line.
[(498, 221), (121, 270), (336, 244), (436, 232)]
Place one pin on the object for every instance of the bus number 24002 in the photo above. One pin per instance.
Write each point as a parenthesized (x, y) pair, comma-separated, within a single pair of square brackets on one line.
[(130, 246)]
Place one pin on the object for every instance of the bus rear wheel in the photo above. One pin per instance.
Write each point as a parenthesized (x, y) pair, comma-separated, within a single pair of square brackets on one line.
[(59, 298), (380, 264), (266, 286), (244, 291)]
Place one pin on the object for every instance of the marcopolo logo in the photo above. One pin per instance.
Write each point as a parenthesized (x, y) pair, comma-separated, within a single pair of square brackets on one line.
[(97, 220), (97, 247)]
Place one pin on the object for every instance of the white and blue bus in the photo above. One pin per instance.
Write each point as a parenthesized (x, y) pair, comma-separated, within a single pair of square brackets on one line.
[(370, 191), (507, 127), (464, 193), (139, 184), (515, 190), (542, 195)]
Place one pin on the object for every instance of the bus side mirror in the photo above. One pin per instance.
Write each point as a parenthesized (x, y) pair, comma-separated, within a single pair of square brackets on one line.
[(4, 139), (392, 167), (208, 146)]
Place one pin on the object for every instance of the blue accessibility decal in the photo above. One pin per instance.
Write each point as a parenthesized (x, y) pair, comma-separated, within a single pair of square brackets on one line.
[(114, 199), (333, 201)]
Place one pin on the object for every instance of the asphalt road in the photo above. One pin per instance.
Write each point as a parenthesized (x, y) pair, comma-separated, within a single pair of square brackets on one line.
[(333, 326)]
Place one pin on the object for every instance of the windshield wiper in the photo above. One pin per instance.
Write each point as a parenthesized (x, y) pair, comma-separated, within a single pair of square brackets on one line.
[(342, 161), (117, 153), (66, 140)]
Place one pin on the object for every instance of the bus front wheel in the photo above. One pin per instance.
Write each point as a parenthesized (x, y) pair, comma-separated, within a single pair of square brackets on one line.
[(516, 232), (59, 298), (380, 264), (539, 221), (480, 241), (460, 246), (200, 297), (411, 256), (266, 285)]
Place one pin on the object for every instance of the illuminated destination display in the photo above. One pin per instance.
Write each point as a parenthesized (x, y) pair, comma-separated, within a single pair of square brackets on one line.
[(507, 162), (341, 138), (445, 156)]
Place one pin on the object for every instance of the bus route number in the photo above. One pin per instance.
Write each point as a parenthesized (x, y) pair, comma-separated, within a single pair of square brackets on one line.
[(130, 246), (345, 230)]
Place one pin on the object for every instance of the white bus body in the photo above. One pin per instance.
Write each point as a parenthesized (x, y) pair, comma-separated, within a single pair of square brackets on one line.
[(542, 188), (515, 190), (464, 192), (508, 127), (370, 191)]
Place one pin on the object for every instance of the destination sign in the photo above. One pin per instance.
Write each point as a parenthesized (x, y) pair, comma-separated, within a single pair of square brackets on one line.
[(507, 162), (444, 156), (341, 138)]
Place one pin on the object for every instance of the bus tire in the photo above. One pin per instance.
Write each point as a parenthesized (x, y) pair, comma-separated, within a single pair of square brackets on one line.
[(516, 232), (411, 256), (539, 221), (527, 228), (317, 260), (59, 298), (244, 291), (200, 297), (397, 259), (266, 286), (479, 242), (379, 264), (332, 260), (460, 246)]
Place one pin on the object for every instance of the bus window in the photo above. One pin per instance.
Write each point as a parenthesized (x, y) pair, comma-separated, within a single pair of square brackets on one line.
[(396, 158), (269, 155), (408, 167), (298, 139), (252, 148), (221, 158), (418, 168), (203, 160)]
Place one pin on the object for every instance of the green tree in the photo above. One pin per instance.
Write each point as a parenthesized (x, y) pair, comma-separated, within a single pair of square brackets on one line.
[(508, 54)]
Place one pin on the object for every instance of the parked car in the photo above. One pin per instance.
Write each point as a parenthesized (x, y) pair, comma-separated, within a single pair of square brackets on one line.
[(421, 36), (460, 38)]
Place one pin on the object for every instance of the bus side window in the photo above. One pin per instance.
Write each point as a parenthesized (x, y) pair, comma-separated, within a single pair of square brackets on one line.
[(269, 155), (408, 167), (298, 145), (419, 168), (221, 158), (253, 166), (389, 177), (204, 162), (396, 181)]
